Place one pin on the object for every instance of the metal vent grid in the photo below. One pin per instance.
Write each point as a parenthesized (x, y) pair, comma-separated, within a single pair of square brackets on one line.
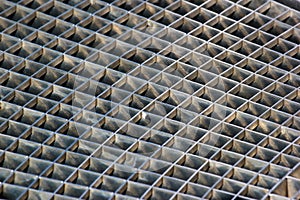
[(149, 99)]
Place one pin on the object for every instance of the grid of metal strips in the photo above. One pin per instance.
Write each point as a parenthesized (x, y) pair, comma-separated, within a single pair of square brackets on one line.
[(120, 99)]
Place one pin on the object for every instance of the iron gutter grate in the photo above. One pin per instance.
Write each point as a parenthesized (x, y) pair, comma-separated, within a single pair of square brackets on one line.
[(152, 99)]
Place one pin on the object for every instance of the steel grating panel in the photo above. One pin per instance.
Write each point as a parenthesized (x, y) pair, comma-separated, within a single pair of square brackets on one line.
[(157, 99)]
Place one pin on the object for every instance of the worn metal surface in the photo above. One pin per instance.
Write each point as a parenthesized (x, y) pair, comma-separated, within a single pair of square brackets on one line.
[(152, 99)]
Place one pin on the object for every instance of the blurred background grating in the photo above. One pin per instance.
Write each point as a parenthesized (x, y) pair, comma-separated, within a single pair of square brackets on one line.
[(156, 99)]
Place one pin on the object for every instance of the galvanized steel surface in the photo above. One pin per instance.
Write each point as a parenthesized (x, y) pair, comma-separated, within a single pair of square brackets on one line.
[(168, 99)]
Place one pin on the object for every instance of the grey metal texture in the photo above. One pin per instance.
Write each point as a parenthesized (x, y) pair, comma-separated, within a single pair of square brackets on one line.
[(157, 99)]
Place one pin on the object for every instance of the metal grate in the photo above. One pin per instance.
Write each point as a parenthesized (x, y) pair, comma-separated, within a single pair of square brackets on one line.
[(157, 99)]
